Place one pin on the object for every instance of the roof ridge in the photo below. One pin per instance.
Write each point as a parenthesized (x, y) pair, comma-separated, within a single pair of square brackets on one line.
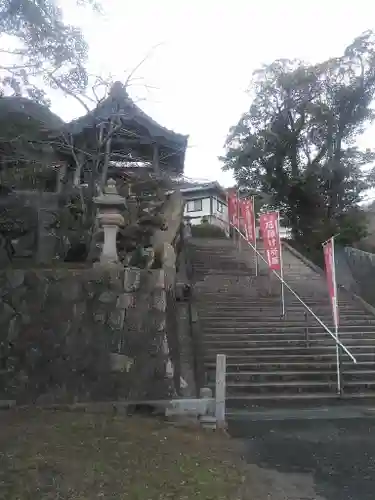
[(119, 94)]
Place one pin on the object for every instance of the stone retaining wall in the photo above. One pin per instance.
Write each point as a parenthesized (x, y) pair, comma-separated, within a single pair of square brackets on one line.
[(77, 335)]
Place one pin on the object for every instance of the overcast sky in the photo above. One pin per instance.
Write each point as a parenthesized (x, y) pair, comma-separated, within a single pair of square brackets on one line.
[(206, 51)]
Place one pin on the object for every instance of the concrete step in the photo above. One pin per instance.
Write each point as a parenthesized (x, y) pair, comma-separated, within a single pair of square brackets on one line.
[(221, 271), (272, 321), (255, 328), (295, 387), (280, 353), (268, 361), (293, 366), (239, 290), (244, 299), (251, 326), (294, 356), (257, 321), (259, 346), (313, 295), (208, 261), (236, 334), (290, 376), (298, 401), (245, 291), (276, 338), (297, 315), (214, 261), (309, 292), (256, 303), (261, 314), (278, 387)]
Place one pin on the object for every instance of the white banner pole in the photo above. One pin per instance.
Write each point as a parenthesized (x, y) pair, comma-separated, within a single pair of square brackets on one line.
[(281, 269), (234, 235), (239, 221), (255, 237)]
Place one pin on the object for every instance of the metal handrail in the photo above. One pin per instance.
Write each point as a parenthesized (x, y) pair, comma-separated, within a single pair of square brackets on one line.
[(340, 344)]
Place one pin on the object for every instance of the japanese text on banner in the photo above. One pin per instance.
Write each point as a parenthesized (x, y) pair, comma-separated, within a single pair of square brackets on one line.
[(233, 209), (330, 274), (248, 217), (269, 226)]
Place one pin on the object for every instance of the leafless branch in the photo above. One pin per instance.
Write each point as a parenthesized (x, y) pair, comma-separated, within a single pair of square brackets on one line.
[(70, 92), (136, 68)]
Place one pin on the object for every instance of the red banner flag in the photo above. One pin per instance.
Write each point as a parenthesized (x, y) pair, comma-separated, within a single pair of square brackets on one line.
[(233, 209), (269, 226), (248, 217), (329, 261)]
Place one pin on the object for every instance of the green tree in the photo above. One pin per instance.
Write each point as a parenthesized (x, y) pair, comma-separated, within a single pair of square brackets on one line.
[(38, 47), (297, 142)]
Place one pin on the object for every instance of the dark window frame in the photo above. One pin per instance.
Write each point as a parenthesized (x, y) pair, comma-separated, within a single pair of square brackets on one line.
[(200, 201), (220, 206)]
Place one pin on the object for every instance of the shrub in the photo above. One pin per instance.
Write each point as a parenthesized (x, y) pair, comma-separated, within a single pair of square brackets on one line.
[(207, 231)]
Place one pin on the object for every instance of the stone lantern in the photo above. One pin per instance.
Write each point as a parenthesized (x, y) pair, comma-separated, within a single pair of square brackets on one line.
[(110, 203)]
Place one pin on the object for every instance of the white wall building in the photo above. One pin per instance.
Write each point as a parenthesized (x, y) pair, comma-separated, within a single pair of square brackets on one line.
[(207, 200)]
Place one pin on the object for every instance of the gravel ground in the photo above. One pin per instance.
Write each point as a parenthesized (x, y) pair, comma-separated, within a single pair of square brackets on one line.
[(310, 459)]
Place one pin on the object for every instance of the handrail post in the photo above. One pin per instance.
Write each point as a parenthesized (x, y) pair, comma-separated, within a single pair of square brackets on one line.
[(307, 339), (281, 270), (239, 233), (338, 365)]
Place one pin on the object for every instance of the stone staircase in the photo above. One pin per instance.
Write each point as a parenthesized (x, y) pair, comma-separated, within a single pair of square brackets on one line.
[(274, 360)]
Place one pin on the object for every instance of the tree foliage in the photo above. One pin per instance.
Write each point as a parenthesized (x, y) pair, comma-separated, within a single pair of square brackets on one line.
[(297, 142), (37, 46)]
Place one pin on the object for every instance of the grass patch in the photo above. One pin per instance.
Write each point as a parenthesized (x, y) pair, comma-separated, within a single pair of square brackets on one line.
[(79, 456)]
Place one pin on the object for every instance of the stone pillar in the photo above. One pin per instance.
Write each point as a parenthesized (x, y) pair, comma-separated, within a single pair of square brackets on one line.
[(110, 218)]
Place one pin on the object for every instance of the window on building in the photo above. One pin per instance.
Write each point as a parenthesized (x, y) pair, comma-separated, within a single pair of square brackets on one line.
[(194, 206), (219, 206)]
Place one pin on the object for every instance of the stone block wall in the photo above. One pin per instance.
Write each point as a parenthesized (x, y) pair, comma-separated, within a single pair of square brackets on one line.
[(76, 335), (356, 271), (45, 206)]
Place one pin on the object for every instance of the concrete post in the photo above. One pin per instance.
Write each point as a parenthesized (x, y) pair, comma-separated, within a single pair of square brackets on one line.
[(220, 389)]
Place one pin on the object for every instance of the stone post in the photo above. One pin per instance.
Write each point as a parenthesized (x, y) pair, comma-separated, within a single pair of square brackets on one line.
[(110, 218), (220, 392)]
